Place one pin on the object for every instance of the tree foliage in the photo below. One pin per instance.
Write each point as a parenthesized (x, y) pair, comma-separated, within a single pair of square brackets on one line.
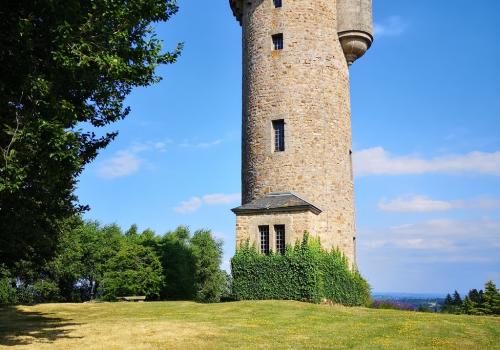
[(209, 280), (491, 299), (192, 266), (82, 257), (66, 68), (448, 303), (7, 287), (93, 261), (457, 299), (178, 264), (134, 270), (475, 302)]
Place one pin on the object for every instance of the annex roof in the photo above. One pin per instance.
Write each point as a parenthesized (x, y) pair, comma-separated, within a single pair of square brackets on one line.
[(277, 202)]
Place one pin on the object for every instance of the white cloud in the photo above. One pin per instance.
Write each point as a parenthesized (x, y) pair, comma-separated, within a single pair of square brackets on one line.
[(392, 26), (206, 144), (220, 198), (219, 235), (485, 203), (126, 162), (123, 163), (418, 204), (424, 244), (195, 203), (425, 204), (377, 161), (189, 206), (447, 227), (451, 258), (430, 256), (447, 238), (409, 244), (161, 146)]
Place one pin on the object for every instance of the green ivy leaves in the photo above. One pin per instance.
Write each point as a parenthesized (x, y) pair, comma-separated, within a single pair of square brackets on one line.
[(305, 272)]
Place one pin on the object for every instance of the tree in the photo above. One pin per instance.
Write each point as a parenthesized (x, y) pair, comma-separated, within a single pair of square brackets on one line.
[(82, 257), (477, 300), (447, 304), (468, 306), (132, 232), (457, 299), (475, 296), (66, 68), (491, 299), (177, 260), (134, 270), (86, 258), (209, 281)]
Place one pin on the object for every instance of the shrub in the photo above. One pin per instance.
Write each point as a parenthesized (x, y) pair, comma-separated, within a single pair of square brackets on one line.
[(41, 291), (26, 294), (305, 272), (7, 292), (46, 291), (7, 287)]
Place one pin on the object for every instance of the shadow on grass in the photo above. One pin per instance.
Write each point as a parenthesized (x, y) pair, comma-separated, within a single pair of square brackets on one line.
[(18, 327)]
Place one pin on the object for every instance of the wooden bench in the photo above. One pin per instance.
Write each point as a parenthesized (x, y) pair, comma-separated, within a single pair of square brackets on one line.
[(135, 298)]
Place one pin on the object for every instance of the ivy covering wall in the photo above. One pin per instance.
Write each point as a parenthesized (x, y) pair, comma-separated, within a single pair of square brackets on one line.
[(305, 272)]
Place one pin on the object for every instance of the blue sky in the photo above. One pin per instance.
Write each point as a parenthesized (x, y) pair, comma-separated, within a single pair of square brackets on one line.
[(426, 130)]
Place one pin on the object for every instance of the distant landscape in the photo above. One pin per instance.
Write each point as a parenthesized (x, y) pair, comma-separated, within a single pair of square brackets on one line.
[(432, 301)]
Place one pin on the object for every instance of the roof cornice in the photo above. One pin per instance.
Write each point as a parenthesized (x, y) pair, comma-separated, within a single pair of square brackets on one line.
[(237, 7)]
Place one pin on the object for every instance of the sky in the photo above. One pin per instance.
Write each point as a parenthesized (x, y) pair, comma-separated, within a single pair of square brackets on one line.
[(426, 138)]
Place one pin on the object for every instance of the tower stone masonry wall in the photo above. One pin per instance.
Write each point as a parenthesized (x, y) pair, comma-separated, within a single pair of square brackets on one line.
[(307, 85)]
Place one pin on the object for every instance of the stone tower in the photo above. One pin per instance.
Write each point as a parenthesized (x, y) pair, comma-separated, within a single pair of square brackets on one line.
[(297, 163)]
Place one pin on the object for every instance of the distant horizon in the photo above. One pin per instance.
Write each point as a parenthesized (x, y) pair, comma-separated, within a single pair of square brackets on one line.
[(409, 294)]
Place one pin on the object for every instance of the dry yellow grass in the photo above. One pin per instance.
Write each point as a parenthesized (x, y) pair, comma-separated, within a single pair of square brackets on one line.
[(241, 325)]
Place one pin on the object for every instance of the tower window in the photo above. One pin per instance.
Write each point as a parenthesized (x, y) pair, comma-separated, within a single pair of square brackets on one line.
[(264, 239), (279, 135), (350, 164), (278, 41), (280, 238), (277, 3)]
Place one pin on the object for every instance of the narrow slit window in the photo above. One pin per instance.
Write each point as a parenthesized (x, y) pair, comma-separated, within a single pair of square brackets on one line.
[(280, 238), (279, 135), (350, 164), (264, 239), (277, 3), (278, 41)]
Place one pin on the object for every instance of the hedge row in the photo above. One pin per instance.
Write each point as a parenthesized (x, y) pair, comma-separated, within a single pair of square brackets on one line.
[(305, 272)]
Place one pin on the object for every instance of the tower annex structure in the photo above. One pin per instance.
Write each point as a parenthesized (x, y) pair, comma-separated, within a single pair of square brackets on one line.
[(296, 153)]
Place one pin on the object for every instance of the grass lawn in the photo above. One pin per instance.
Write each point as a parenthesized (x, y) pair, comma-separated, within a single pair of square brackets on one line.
[(238, 325)]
